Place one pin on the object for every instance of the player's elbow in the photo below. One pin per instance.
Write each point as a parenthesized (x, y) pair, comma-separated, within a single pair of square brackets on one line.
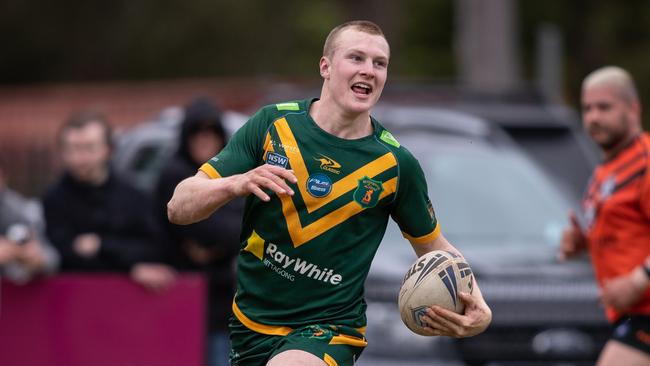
[(175, 215)]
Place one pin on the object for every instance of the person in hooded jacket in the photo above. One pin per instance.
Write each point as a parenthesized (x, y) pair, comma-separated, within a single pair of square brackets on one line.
[(211, 245)]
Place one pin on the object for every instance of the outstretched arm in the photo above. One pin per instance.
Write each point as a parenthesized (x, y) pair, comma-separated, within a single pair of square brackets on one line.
[(197, 197), (443, 322)]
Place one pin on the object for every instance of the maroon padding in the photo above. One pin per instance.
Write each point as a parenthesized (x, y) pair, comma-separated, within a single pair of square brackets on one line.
[(102, 320)]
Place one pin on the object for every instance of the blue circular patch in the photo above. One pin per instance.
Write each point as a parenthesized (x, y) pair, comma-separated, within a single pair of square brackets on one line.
[(319, 185)]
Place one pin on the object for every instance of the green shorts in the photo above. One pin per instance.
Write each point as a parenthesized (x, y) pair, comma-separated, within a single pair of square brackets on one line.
[(336, 345)]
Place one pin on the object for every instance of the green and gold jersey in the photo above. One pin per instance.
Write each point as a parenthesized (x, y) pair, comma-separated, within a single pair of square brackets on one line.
[(305, 258)]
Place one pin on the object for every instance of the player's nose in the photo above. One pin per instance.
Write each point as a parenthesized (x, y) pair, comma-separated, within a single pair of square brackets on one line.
[(368, 69)]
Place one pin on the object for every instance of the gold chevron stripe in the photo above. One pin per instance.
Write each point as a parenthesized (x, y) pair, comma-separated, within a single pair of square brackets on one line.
[(300, 235), (340, 187), (267, 143)]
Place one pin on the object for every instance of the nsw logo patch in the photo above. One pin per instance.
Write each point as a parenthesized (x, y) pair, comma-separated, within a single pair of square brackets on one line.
[(276, 159)]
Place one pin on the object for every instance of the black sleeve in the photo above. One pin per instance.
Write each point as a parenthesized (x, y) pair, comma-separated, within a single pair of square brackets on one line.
[(135, 236), (220, 231), (60, 231)]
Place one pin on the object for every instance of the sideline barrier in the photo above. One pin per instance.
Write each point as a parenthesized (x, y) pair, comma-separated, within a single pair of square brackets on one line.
[(102, 320)]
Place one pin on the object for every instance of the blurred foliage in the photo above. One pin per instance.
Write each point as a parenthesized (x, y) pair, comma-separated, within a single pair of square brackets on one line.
[(79, 40), (596, 33), (75, 40)]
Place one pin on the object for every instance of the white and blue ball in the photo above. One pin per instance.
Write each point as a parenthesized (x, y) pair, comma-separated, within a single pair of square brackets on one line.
[(435, 278)]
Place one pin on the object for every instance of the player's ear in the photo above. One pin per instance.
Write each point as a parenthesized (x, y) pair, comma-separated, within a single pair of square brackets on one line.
[(324, 66)]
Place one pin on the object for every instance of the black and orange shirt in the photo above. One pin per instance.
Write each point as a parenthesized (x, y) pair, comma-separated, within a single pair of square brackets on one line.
[(305, 257), (617, 212)]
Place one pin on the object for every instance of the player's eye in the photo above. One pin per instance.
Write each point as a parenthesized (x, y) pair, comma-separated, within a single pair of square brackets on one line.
[(604, 107)]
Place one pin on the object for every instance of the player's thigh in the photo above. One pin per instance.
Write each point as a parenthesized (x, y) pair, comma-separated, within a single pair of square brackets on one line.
[(295, 357), (616, 353)]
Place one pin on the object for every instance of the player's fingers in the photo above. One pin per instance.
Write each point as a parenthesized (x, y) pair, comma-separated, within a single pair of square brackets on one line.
[(286, 174), (445, 325), (289, 175), (435, 332), (277, 183), (567, 246), (272, 182), (468, 299), (573, 218), (445, 314), (428, 331), (273, 173), (435, 326), (259, 193)]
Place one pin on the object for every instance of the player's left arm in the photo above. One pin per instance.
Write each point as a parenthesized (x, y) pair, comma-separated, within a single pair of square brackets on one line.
[(443, 322), (625, 291)]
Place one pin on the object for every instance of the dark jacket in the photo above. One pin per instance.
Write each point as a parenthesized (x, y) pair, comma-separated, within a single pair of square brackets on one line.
[(220, 232), (115, 210)]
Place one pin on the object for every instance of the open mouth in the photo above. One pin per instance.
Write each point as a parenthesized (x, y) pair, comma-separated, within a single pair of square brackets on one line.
[(361, 88)]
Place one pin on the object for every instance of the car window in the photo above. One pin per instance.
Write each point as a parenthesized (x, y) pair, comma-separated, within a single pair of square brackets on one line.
[(485, 195)]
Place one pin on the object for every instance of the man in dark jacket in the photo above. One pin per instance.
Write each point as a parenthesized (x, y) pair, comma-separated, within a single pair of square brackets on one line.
[(209, 245), (97, 221)]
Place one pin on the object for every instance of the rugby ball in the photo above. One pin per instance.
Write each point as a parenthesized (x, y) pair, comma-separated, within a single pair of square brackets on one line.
[(435, 278)]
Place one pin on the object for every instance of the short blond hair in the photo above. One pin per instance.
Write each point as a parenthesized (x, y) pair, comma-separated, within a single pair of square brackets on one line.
[(613, 76), (365, 26)]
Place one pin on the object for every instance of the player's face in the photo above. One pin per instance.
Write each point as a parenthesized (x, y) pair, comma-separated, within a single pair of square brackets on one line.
[(357, 71), (606, 117), (85, 152), (203, 145)]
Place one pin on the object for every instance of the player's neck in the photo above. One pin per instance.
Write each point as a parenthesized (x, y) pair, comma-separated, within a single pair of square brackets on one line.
[(335, 121), (622, 145)]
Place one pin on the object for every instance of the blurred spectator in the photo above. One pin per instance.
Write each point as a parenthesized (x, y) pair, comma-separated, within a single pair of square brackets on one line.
[(24, 251), (213, 244), (97, 221)]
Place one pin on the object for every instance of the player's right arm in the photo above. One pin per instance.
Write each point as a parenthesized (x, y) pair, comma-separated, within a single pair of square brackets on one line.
[(442, 322), (573, 239), (197, 197), (237, 171)]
